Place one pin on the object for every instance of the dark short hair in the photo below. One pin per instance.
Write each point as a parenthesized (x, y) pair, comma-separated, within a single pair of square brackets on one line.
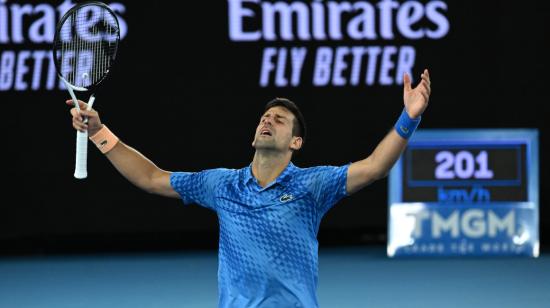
[(299, 125)]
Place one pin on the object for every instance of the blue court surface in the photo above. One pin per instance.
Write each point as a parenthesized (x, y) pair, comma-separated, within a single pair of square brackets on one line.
[(348, 277)]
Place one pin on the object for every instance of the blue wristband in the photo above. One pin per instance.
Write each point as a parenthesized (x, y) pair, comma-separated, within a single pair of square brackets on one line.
[(406, 126)]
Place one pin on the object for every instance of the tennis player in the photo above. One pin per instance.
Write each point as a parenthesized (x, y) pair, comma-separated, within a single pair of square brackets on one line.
[(269, 212)]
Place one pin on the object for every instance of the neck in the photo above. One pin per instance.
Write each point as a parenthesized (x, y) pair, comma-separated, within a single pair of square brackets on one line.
[(267, 166)]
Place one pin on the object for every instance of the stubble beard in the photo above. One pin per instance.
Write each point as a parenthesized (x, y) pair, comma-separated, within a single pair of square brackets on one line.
[(264, 144)]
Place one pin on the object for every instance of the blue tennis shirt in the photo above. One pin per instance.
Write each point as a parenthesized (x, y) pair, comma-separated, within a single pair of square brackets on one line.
[(268, 249)]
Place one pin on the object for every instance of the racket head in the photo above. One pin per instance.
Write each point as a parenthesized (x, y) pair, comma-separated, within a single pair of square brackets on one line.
[(85, 44)]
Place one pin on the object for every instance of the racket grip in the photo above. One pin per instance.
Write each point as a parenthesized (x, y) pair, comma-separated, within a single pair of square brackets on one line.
[(81, 170)]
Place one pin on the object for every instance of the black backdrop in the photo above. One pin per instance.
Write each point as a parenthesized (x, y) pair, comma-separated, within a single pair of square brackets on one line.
[(187, 97)]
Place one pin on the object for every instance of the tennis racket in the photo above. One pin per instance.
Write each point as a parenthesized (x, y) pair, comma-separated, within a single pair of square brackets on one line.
[(84, 49)]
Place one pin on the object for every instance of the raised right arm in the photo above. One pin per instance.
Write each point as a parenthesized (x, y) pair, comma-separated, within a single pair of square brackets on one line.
[(135, 167)]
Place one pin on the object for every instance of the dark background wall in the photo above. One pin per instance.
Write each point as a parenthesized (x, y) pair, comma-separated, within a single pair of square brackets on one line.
[(188, 97)]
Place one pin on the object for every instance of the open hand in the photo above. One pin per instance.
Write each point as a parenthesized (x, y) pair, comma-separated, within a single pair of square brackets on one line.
[(416, 100)]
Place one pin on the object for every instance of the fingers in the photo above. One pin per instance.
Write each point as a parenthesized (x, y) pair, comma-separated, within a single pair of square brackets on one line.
[(78, 124), (88, 113), (427, 73), (79, 118), (81, 104), (425, 84), (84, 113), (406, 82), (426, 77), (425, 95), (74, 112), (425, 87)]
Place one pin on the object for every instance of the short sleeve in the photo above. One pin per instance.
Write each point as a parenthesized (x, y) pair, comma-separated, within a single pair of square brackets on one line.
[(198, 187), (328, 185)]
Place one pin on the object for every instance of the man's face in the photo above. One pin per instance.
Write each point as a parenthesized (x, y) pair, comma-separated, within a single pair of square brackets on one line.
[(274, 132)]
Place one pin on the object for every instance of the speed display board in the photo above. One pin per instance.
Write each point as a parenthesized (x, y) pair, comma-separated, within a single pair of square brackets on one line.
[(460, 192)]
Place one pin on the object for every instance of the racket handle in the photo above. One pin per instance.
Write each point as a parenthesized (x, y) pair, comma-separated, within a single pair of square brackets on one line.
[(81, 170)]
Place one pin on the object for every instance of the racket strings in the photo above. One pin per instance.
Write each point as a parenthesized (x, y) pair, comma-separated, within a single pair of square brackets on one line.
[(87, 45)]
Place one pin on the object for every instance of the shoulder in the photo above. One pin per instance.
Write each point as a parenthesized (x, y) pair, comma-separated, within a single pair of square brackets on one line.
[(307, 176), (318, 170), (222, 174), (317, 177), (208, 175)]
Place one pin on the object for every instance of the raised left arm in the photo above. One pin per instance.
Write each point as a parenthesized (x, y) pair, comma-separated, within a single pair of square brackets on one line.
[(386, 153)]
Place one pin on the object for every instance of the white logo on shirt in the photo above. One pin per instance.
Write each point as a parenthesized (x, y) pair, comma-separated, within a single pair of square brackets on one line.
[(286, 197)]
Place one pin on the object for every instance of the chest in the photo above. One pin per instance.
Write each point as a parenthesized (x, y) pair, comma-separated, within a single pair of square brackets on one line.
[(238, 197), (276, 206)]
